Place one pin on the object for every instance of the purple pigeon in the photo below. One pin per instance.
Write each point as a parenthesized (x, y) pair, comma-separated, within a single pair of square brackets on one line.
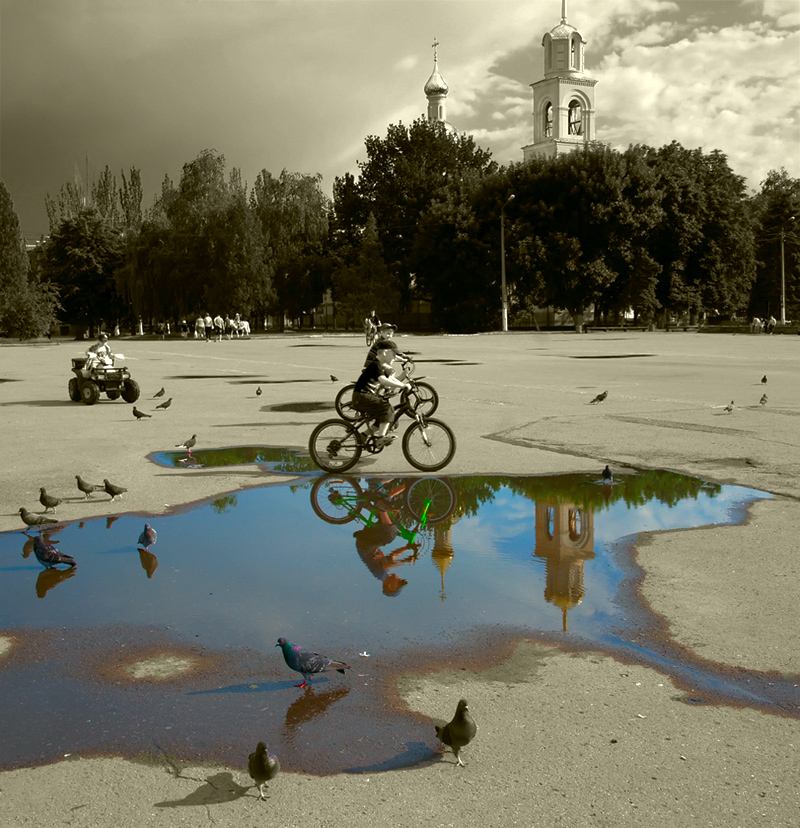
[(307, 663), (48, 556), (148, 537)]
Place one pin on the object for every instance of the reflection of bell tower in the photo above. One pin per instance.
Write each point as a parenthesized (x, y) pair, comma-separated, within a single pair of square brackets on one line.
[(563, 101), (442, 552), (565, 539)]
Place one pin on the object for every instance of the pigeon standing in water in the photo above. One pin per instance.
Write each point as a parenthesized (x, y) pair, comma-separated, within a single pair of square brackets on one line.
[(166, 404), (599, 398), (48, 501), (608, 475), (160, 393), (148, 537), (34, 519), (87, 488), (48, 556), (140, 415), (307, 663), (188, 444), (459, 732), (114, 491), (763, 399), (262, 766)]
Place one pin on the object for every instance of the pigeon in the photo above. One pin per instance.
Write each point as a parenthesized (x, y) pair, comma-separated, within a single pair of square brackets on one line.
[(148, 537), (140, 414), (33, 518), (48, 556), (763, 399), (188, 444), (764, 379), (166, 404), (307, 663), (262, 766), (259, 392), (48, 501), (159, 393), (599, 398), (459, 732), (114, 491), (729, 407), (87, 488), (334, 379), (608, 475)]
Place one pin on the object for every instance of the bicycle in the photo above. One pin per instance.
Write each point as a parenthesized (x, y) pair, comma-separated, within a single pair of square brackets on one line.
[(427, 396), (339, 500), (428, 445)]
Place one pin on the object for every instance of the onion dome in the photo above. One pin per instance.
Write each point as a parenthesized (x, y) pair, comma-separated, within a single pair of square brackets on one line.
[(436, 84)]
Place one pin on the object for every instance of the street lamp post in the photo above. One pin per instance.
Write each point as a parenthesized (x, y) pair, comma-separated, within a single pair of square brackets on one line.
[(783, 277), (503, 260)]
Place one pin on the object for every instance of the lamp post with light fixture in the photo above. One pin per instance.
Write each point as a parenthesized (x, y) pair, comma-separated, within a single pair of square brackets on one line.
[(783, 276), (503, 260)]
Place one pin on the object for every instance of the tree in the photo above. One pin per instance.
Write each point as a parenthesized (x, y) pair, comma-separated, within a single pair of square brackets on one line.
[(27, 305)]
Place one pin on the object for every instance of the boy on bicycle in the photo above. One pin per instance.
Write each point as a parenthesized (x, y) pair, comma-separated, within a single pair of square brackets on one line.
[(376, 375)]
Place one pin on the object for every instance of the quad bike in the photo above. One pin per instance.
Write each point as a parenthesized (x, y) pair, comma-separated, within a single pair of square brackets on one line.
[(91, 381)]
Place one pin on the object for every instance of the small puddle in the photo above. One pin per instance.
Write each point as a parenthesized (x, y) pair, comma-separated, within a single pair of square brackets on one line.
[(173, 648)]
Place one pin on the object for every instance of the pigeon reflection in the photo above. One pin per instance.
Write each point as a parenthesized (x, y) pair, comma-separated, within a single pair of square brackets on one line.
[(49, 578), (149, 562), (110, 521), (310, 705), (27, 549)]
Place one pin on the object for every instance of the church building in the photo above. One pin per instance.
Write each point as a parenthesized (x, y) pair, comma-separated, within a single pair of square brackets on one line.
[(436, 92), (563, 101)]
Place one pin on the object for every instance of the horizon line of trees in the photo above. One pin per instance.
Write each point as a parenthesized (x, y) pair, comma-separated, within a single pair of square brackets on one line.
[(660, 231)]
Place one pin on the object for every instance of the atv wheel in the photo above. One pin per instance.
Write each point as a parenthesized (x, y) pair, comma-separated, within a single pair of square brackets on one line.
[(130, 391), (90, 393), (74, 391)]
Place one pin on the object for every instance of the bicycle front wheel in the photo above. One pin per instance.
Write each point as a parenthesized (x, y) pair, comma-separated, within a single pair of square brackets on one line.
[(334, 446), (336, 499), (427, 399), (429, 447), (344, 404), (431, 498)]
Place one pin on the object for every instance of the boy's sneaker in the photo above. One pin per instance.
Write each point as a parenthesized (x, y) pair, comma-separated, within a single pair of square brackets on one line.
[(381, 442)]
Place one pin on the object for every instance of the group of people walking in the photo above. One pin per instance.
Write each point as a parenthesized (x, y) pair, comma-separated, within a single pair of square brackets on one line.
[(214, 329)]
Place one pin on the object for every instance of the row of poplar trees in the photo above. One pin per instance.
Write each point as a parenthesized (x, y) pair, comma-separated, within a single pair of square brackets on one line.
[(663, 232)]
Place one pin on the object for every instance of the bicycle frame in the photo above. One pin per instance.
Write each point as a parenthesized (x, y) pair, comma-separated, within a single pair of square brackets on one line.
[(407, 534)]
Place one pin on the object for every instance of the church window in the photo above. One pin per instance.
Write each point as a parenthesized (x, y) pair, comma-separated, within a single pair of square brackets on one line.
[(548, 121), (575, 118), (572, 62)]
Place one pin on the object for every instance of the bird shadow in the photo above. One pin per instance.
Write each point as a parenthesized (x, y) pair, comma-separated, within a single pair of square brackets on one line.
[(216, 790), (416, 755), (261, 687)]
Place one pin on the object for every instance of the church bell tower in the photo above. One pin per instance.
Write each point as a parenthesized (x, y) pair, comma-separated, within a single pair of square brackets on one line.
[(563, 101)]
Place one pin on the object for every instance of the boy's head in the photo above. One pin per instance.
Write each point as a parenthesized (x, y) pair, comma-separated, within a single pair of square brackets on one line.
[(384, 353), (386, 331)]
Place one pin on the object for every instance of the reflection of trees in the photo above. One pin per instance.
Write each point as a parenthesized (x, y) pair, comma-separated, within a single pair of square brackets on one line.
[(224, 504), (278, 459)]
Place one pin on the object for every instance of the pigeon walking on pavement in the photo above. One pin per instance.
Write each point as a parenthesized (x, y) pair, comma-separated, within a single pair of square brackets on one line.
[(599, 398), (729, 407), (459, 732), (159, 393), (307, 663), (166, 404), (33, 518), (334, 378), (48, 501), (148, 537), (48, 556), (608, 475), (763, 399), (140, 415), (114, 491), (259, 392), (87, 488), (188, 444), (764, 379), (262, 767)]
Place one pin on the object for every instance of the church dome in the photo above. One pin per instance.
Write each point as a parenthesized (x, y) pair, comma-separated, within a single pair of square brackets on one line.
[(436, 84), (562, 30)]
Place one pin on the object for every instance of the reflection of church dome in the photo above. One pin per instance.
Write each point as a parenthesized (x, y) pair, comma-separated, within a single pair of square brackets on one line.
[(436, 84)]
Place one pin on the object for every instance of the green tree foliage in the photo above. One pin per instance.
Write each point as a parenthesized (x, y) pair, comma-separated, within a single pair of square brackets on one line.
[(292, 212), (776, 214), (82, 257), (27, 304)]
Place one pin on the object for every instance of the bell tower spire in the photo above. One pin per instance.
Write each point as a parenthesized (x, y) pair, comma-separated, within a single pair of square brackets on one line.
[(436, 90)]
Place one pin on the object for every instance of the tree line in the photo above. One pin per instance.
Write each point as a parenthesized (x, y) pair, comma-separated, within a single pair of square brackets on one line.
[(662, 232)]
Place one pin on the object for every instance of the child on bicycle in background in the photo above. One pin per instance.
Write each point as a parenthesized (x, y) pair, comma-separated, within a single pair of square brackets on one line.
[(376, 375)]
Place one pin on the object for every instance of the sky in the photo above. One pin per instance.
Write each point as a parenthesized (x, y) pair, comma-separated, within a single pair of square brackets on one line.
[(300, 84)]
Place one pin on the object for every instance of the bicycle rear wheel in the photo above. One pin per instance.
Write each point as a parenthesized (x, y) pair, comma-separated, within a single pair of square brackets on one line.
[(334, 446), (336, 499), (429, 447), (344, 405), (431, 498)]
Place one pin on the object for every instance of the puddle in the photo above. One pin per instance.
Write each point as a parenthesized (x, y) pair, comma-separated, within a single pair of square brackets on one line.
[(270, 458), (173, 649)]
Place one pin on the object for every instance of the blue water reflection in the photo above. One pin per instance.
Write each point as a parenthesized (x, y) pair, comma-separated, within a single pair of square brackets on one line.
[(345, 566)]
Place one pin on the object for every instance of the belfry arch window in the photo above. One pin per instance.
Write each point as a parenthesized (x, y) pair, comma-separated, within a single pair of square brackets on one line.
[(575, 118), (548, 120), (573, 55)]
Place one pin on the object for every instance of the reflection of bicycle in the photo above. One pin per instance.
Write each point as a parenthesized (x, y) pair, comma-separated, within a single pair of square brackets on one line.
[(429, 445), (340, 500), (427, 398)]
